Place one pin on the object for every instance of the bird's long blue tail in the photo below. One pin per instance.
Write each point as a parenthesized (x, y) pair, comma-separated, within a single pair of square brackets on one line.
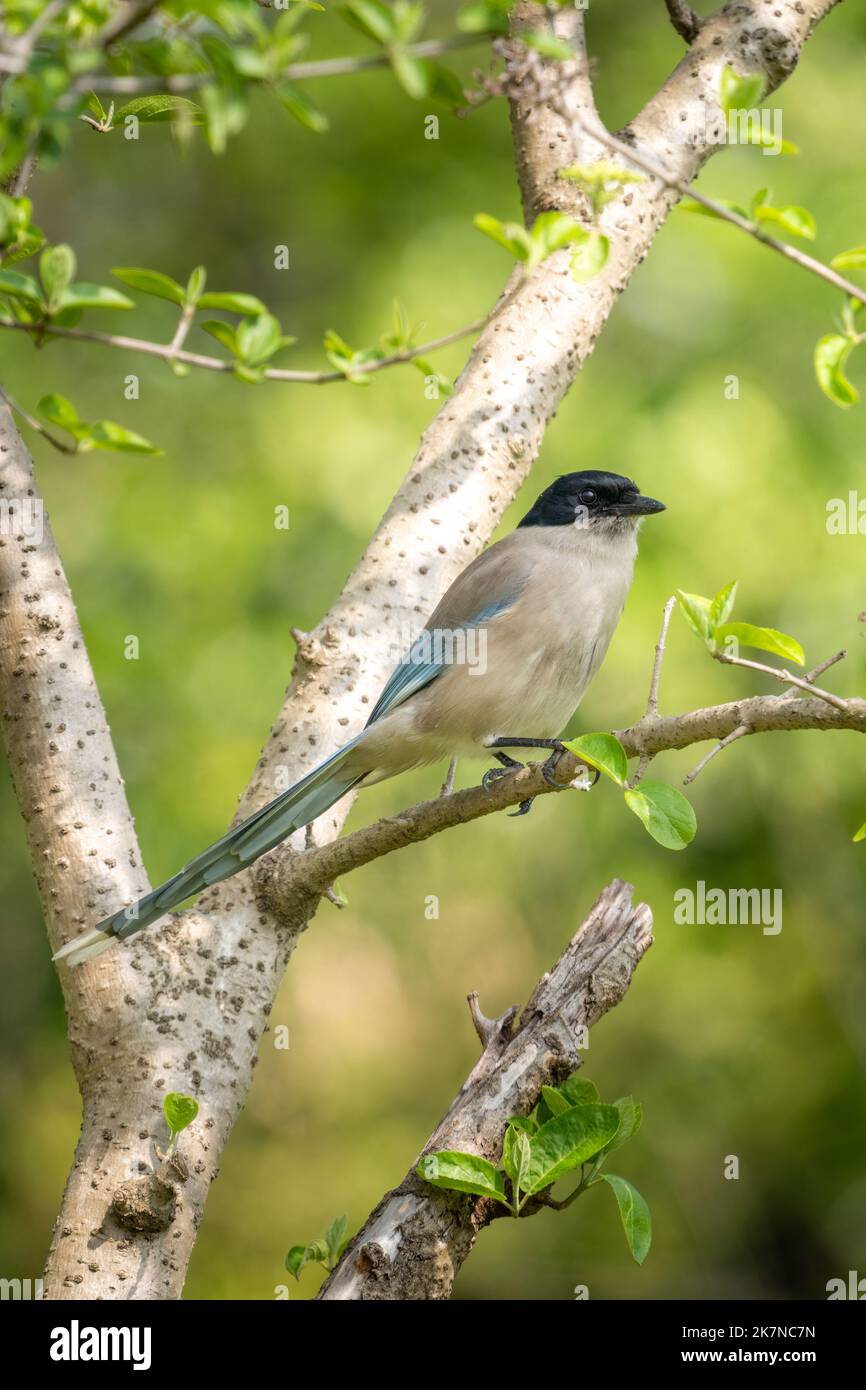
[(292, 810)]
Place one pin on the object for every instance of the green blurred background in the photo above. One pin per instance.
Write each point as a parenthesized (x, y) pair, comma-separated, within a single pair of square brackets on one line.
[(735, 1042)]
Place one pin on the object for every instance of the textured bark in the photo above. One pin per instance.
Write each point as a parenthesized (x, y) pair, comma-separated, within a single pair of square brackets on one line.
[(415, 1241), (184, 1007)]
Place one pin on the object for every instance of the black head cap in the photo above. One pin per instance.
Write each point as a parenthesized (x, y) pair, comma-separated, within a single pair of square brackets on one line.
[(586, 496)]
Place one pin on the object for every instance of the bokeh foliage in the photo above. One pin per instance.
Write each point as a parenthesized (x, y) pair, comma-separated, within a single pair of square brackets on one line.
[(736, 1043)]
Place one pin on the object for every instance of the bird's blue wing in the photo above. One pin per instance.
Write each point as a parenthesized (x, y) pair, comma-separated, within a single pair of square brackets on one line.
[(419, 667)]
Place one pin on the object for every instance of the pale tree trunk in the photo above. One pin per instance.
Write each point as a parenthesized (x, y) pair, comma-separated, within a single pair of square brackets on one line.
[(183, 1007)]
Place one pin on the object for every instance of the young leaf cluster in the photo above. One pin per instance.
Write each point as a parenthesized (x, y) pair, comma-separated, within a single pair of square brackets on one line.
[(325, 1251), (710, 619), (569, 1131)]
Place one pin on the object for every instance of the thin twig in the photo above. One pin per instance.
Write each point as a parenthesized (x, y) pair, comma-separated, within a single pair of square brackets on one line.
[(23, 46), (652, 704), (121, 85), (684, 19), (740, 732), (166, 351), (781, 675), (123, 24), (183, 327), (651, 166), (746, 728), (37, 425)]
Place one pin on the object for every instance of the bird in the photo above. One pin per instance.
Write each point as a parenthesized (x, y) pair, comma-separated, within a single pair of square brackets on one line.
[(502, 663)]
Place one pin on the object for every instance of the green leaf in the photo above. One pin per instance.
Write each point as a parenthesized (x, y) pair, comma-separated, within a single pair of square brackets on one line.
[(150, 282), (297, 1257), (767, 639), (547, 44), (740, 93), (195, 285), (527, 1124), (235, 303), (409, 16), (854, 259), (334, 1237), (664, 812), (796, 220), (87, 296), (317, 1250), (483, 19), (105, 434), (20, 286), (557, 1104), (96, 108), (567, 1141), (56, 270), (463, 1172), (57, 410), (259, 338), (179, 1110), (511, 235), (160, 107), (516, 1150), (861, 834), (631, 1115), (372, 18), (416, 76), (722, 606), (551, 231), (223, 332), (589, 256), (577, 1090), (302, 107), (831, 354), (27, 244), (604, 752), (635, 1216), (696, 611)]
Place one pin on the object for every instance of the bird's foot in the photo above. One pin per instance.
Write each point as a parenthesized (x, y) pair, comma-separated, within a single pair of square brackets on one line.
[(548, 769), (493, 774)]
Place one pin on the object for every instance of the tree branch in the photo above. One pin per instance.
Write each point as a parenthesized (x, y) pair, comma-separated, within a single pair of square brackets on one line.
[(414, 1243), (127, 20), (285, 877), (168, 352)]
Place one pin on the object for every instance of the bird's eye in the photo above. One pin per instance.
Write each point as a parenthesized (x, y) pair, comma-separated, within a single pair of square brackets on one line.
[(588, 496)]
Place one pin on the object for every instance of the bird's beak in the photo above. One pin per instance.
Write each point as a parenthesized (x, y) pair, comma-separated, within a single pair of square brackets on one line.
[(636, 506)]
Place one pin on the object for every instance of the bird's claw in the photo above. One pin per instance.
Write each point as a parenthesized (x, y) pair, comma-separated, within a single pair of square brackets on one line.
[(524, 808), (493, 775), (548, 770)]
